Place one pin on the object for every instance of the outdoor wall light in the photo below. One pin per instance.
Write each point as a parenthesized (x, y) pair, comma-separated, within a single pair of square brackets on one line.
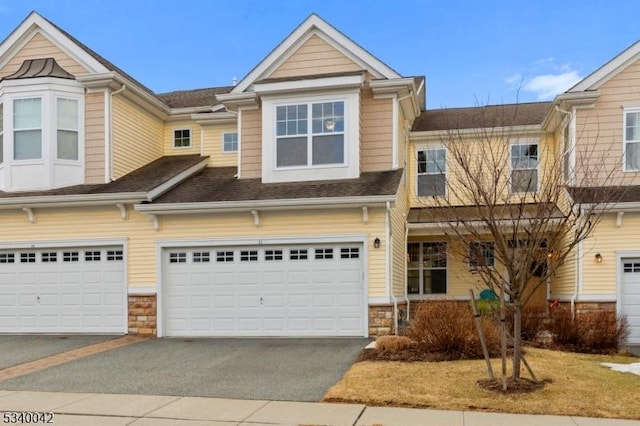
[(376, 243), (598, 258)]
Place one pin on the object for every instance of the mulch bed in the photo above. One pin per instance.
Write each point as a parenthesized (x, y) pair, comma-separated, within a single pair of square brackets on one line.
[(411, 354), (514, 386)]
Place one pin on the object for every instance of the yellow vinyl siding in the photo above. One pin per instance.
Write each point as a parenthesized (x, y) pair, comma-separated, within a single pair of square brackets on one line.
[(137, 137), (39, 47), (251, 144), (398, 254), (94, 138), (169, 127), (105, 223), (315, 56), (213, 146), (599, 130), (607, 239), (376, 132)]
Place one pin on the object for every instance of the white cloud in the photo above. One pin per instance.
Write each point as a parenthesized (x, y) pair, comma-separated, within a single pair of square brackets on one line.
[(546, 86), (515, 79)]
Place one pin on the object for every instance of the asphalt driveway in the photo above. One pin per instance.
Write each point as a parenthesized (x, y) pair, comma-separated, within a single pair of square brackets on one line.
[(17, 349), (272, 369)]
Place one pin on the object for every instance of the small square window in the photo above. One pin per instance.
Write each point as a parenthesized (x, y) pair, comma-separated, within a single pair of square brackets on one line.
[(273, 255), (350, 253), (182, 138), (224, 256), (113, 255), (324, 253), (92, 256), (300, 254), (201, 257), (178, 257), (70, 256), (248, 255), (27, 258), (230, 142), (49, 257), (7, 258)]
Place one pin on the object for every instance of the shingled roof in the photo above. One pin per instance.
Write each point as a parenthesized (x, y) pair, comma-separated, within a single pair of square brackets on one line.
[(143, 179), (193, 98), (606, 194), (219, 184), (482, 117)]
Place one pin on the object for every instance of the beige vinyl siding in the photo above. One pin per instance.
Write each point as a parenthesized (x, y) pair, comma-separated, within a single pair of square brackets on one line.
[(169, 128), (251, 144), (213, 146), (315, 56), (94, 138), (563, 282), (39, 47), (599, 133), (399, 252), (137, 137), (141, 240), (600, 278), (376, 130)]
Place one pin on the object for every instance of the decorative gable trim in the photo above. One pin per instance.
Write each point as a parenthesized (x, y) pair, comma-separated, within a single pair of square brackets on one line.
[(314, 25), (609, 70), (34, 24)]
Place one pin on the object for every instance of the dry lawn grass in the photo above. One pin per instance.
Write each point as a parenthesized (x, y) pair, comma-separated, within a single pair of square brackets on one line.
[(579, 386)]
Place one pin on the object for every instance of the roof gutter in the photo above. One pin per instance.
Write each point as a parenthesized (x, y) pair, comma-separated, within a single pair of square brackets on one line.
[(239, 206), (524, 130), (72, 200)]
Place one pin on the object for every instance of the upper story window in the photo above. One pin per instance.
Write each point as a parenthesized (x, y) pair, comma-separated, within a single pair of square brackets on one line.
[(230, 142), (67, 129), (524, 167), (182, 138), (566, 152), (27, 129), (310, 134), (632, 140), (432, 172), (1, 134)]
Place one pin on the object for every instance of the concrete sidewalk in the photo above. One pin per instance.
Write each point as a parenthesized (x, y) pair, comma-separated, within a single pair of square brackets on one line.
[(144, 410)]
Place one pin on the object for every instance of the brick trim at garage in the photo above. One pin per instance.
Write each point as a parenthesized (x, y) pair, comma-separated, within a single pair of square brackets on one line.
[(143, 314)]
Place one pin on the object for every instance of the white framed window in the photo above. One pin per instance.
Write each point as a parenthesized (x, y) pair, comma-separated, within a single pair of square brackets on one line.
[(67, 123), (182, 138), (524, 167), (315, 137), (567, 171), (27, 128), (230, 142), (632, 139), (426, 268), (432, 172), (481, 254), (1, 134), (310, 134)]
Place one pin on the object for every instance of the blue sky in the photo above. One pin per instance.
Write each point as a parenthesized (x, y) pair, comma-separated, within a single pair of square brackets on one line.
[(472, 52)]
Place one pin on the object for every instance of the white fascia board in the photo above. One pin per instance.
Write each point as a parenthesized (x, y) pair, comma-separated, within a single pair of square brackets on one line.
[(320, 27), (513, 131), (262, 205), (570, 99), (608, 70), (167, 185), (329, 83), (64, 243), (236, 101), (614, 207), (212, 118), (187, 111), (391, 87), (35, 23), (71, 200)]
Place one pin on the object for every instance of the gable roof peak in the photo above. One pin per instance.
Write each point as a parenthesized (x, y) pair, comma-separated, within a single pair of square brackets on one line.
[(315, 24)]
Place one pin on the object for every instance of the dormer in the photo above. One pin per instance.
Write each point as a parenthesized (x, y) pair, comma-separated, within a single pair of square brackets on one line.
[(315, 109), (42, 127)]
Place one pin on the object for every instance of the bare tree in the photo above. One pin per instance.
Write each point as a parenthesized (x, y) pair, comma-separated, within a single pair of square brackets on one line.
[(505, 206)]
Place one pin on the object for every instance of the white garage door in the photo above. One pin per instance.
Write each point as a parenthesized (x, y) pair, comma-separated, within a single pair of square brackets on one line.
[(630, 300), (63, 290), (296, 290)]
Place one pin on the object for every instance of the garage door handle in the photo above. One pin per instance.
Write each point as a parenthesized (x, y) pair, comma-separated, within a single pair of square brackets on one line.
[(38, 299), (261, 300)]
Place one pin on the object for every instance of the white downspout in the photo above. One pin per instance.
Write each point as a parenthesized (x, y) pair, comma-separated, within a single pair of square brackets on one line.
[(406, 291), (108, 152), (578, 273), (390, 268)]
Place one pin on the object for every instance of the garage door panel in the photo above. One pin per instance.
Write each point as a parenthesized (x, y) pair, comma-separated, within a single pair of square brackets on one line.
[(630, 300), (267, 291)]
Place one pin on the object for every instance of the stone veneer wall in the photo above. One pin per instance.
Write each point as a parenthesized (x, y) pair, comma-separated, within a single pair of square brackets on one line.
[(381, 321), (143, 314)]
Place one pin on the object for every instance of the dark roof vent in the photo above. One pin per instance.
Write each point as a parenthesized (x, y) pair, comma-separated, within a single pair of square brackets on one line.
[(33, 68)]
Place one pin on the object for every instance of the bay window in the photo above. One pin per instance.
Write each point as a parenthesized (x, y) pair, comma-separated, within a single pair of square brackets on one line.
[(310, 134), (67, 129), (27, 129)]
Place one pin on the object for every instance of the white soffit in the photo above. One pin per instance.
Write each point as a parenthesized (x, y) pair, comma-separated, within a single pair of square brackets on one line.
[(314, 25)]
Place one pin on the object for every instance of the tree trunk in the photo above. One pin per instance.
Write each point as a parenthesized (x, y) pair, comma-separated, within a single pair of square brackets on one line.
[(517, 338)]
